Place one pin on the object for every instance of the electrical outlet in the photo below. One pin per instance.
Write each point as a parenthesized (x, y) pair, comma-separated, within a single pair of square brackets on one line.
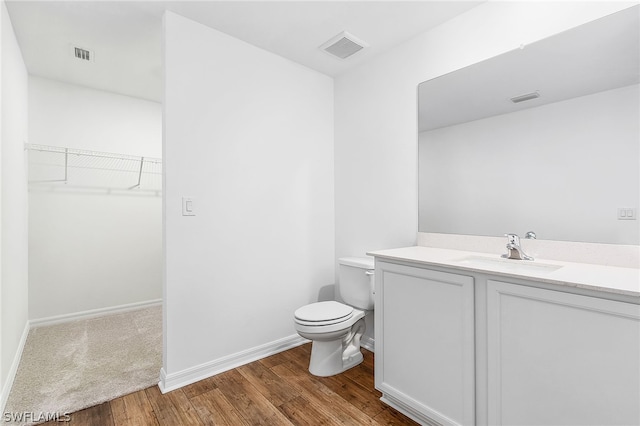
[(627, 213)]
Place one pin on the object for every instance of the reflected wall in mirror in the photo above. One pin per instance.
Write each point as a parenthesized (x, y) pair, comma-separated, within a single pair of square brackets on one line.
[(561, 164)]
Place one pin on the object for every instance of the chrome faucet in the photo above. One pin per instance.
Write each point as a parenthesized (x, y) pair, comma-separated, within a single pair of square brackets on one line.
[(514, 251)]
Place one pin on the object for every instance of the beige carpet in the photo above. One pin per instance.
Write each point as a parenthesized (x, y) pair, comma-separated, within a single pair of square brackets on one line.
[(71, 366)]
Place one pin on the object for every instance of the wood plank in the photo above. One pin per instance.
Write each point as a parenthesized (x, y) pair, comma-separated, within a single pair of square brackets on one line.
[(305, 349), (393, 417), (199, 387), (354, 394), (298, 357), (302, 351), (133, 410), (273, 360), (172, 408), (248, 401), (214, 409), (336, 407), (276, 390), (99, 415), (292, 367), (369, 358), (301, 412), (362, 374)]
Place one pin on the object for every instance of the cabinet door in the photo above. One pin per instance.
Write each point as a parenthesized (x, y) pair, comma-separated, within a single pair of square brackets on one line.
[(557, 358), (425, 343)]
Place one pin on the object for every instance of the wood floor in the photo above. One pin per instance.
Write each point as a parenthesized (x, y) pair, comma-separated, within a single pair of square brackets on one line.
[(278, 390)]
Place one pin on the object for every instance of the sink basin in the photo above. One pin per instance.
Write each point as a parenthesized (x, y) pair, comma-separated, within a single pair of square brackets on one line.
[(508, 265)]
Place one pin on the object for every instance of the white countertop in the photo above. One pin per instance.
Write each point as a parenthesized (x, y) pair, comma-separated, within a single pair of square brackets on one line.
[(602, 278)]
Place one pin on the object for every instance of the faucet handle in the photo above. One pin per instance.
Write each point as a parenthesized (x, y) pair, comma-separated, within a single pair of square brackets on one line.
[(513, 239)]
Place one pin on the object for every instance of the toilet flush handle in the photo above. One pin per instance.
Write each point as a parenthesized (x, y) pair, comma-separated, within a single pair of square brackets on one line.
[(370, 273)]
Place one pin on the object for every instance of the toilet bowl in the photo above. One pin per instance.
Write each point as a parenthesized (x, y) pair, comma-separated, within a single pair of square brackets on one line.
[(336, 328), (336, 341)]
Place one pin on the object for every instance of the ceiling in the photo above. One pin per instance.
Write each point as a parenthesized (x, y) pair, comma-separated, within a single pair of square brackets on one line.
[(126, 36), (600, 55)]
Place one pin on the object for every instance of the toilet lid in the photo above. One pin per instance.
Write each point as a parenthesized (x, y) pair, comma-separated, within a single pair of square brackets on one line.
[(323, 313)]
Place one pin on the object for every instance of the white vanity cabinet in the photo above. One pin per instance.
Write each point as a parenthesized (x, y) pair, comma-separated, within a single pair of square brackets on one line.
[(556, 358), (424, 362), (458, 346)]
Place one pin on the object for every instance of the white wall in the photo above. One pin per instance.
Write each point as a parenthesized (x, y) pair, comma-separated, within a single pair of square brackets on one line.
[(13, 202), (90, 248), (84, 118), (249, 136), (560, 169), (376, 113)]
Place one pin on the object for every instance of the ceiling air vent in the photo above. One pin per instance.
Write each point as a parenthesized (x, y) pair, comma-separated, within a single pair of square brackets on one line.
[(343, 45), (83, 54), (527, 97)]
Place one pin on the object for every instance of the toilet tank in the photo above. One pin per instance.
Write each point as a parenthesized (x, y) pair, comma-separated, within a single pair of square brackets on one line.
[(355, 281)]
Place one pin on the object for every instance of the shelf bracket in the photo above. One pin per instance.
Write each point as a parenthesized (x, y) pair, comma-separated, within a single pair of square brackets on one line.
[(139, 174)]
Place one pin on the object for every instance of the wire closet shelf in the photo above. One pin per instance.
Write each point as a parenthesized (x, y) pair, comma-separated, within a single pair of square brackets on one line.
[(54, 167)]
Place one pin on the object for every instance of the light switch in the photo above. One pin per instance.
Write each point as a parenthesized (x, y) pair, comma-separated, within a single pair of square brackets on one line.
[(188, 206), (626, 213)]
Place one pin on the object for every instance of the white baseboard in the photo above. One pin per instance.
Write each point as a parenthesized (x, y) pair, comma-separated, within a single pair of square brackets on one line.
[(409, 411), (369, 343), (173, 381), (93, 313), (6, 389)]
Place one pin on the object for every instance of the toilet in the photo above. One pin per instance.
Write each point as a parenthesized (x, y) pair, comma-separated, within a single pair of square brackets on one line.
[(336, 328)]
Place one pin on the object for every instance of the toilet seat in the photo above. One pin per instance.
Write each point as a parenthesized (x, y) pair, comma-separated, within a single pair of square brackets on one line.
[(323, 313)]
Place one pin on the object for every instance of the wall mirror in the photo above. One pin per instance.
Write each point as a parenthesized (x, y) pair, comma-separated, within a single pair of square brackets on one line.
[(544, 138)]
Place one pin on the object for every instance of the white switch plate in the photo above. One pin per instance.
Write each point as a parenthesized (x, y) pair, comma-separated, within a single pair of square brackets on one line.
[(188, 206), (627, 213)]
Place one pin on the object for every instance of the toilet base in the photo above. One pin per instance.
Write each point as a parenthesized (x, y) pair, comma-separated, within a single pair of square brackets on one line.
[(354, 360), (331, 357), (326, 359)]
